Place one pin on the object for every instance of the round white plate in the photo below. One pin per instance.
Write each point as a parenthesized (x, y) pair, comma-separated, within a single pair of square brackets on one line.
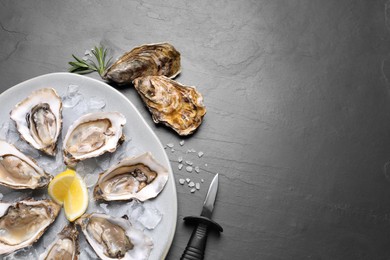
[(142, 137)]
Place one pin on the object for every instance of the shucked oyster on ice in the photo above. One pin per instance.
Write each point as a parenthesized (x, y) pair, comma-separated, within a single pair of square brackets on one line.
[(114, 238), (177, 106), (23, 223), (92, 135), (65, 247), (17, 171), (145, 60), (140, 177), (38, 119)]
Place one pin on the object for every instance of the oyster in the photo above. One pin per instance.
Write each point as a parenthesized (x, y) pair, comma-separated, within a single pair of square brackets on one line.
[(38, 119), (140, 178), (114, 238), (22, 223), (177, 106), (92, 135), (65, 247), (17, 171), (145, 60)]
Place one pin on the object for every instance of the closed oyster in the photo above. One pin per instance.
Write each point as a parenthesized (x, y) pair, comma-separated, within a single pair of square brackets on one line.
[(23, 223), (92, 135), (17, 171), (114, 238), (140, 177), (177, 106), (65, 247), (38, 119), (145, 60)]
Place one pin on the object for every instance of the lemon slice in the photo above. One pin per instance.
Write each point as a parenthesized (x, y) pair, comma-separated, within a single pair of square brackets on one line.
[(68, 189), (59, 186), (76, 201)]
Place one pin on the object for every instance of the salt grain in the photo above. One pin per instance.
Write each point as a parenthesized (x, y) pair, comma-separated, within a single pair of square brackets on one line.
[(200, 154), (180, 159), (189, 163), (191, 184), (170, 145), (188, 180), (172, 150), (193, 190), (181, 181), (197, 169), (197, 185), (189, 169), (180, 166), (202, 180), (182, 142)]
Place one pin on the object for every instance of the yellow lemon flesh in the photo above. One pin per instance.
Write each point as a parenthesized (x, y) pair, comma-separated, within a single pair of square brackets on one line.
[(69, 190)]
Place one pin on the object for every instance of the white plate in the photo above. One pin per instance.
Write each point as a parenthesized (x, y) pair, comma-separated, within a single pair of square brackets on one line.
[(136, 128)]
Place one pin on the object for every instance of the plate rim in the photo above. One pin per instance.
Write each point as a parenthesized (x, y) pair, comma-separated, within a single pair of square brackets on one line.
[(104, 84)]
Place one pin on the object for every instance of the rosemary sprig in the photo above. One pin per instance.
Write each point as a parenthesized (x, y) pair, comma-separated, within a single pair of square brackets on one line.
[(81, 66)]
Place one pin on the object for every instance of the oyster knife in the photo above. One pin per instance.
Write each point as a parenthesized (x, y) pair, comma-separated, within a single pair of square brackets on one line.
[(197, 243)]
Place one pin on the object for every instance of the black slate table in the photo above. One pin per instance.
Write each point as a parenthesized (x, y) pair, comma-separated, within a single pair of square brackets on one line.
[(298, 121)]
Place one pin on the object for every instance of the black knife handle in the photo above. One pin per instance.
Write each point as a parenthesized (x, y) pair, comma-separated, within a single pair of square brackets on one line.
[(197, 243)]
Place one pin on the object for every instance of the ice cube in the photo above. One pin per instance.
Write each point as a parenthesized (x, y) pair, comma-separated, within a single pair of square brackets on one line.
[(91, 179), (104, 207), (72, 97), (96, 103), (150, 218), (4, 130)]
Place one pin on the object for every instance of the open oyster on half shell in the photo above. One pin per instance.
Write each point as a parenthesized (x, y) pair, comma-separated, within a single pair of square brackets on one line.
[(140, 177), (92, 135), (38, 119), (114, 238), (177, 106), (23, 223), (65, 247), (145, 60), (18, 171)]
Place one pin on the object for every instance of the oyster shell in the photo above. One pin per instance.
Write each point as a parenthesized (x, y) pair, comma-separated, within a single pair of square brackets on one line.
[(22, 223), (92, 135), (145, 60), (65, 247), (114, 238), (140, 177), (38, 119), (177, 106), (17, 171)]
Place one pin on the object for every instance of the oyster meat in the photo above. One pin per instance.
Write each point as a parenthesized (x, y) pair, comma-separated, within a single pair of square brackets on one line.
[(17, 171), (38, 119), (145, 60), (177, 106), (92, 135), (65, 247), (140, 177), (22, 223), (114, 238)]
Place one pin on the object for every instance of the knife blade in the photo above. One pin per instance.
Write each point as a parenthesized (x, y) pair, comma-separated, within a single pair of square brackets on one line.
[(197, 244)]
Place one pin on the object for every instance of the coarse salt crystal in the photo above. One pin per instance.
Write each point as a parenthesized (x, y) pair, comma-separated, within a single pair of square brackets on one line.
[(197, 169), (191, 184), (189, 163), (202, 180), (180, 159), (188, 180), (200, 154), (197, 185), (182, 181), (180, 166), (193, 190), (172, 150), (170, 145), (189, 169), (182, 142)]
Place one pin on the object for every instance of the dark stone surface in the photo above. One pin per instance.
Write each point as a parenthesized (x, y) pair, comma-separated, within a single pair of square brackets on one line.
[(298, 121)]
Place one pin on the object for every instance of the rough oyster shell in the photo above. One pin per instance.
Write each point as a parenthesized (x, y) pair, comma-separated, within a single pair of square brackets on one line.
[(140, 177), (177, 106), (114, 238), (22, 223), (145, 60), (17, 171), (65, 247), (38, 119), (92, 135)]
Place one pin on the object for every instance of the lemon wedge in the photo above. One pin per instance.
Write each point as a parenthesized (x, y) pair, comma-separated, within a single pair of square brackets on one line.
[(59, 186), (69, 190)]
